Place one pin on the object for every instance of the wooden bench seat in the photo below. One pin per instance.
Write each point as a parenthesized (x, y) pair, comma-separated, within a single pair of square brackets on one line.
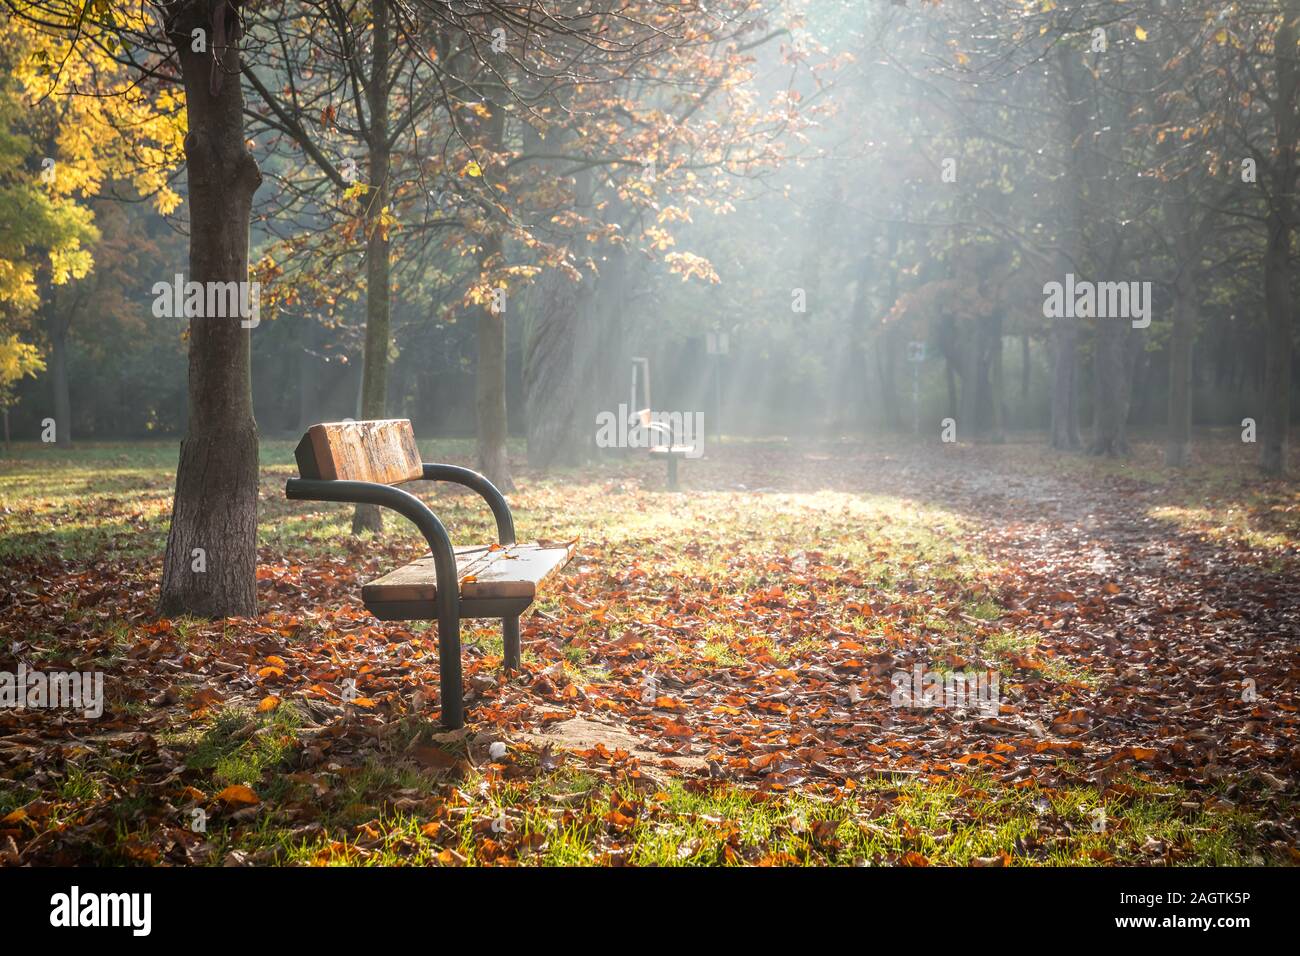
[(364, 462), (495, 581), (666, 449)]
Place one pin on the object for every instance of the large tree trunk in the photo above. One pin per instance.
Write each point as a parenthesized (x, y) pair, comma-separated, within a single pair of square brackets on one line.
[(576, 362), (951, 380), (374, 366), (889, 344), (1112, 387), (552, 385), (215, 507), (997, 431), (1025, 369), (309, 374), (887, 359), (1113, 363), (1065, 331), (1187, 231), (848, 397), (969, 342), (57, 329), (1065, 373), (605, 355), (553, 306), (490, 399), (490, 382), (1275, 424), (1178, 440)]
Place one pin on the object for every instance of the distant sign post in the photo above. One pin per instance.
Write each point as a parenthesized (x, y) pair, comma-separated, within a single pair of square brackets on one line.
[(916, 355)]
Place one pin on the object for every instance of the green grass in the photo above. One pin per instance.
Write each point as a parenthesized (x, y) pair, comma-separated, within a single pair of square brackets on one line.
[(240, 746), (113, 499), (972, 822), (1005, 646)]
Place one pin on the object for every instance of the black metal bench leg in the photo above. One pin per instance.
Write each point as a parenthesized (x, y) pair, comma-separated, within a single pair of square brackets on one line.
[(444, 557), (453, 699), (510, 640), (672, 472)]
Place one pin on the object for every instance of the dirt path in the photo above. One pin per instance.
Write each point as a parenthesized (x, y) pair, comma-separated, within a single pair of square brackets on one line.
[(1191, 645)]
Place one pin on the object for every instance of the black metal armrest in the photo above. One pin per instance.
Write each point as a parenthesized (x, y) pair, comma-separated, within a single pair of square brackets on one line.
[(485, 489), (405, 504)]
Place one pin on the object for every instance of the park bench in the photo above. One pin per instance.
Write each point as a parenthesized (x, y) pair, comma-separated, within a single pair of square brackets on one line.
[(363, 463), (664, 444)]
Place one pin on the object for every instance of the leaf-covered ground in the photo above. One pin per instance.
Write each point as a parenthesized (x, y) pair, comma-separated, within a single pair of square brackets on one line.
[(709, 682)]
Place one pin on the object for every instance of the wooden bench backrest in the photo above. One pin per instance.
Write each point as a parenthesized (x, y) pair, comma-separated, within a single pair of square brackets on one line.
[(381, 451)]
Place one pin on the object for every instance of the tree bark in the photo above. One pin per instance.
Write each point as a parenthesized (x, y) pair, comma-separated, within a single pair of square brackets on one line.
[(1024, 367), (374, 365), (969, 342), (952, 386), (490, 382), (1112, 389), (887, 359), (848, 398), (1178, 440), (1275, 423), (309, 374), (1065, 331), (997, 432), (1065, 372), (490, 400), (1113, 363), (889, 343), (576, 361), (57, 329), (605, 356), (553, 306), (215, 506), (551, 382)]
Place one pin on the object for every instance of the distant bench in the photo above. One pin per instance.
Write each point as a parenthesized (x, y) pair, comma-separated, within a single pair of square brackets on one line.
[(363, 462), (666, 446)]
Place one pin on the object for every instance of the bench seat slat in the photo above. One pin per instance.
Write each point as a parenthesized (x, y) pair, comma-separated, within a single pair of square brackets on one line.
[(486, 573)]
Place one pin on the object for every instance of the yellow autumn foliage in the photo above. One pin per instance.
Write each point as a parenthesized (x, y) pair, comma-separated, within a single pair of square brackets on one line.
[(72, 122)]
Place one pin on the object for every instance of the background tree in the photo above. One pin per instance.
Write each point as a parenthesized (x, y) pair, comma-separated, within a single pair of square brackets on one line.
[(214, 510), (97, 132), (580, 169)]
